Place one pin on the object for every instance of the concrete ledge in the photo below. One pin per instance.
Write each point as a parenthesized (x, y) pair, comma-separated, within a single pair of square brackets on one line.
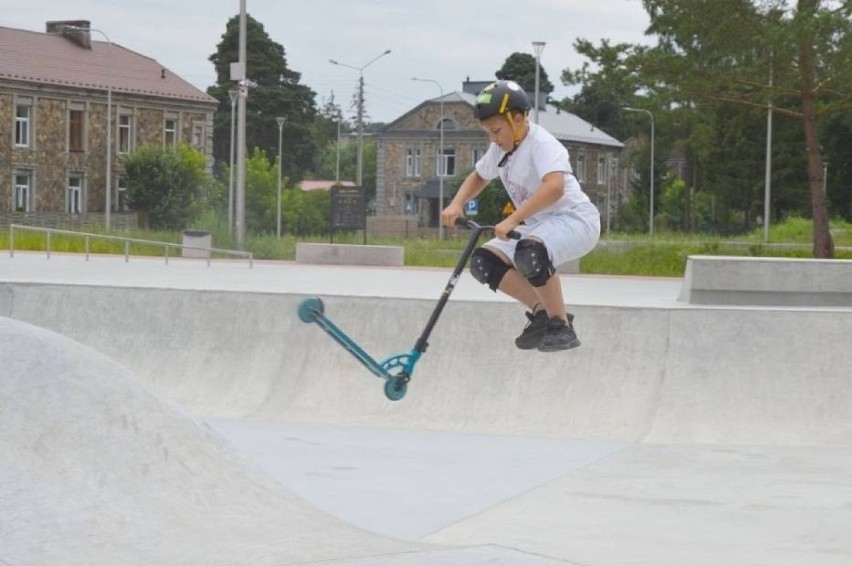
[(569, 267), (767, 281), (349, 254)]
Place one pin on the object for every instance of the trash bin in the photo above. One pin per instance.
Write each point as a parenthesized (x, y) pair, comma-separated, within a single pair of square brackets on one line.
[(197, 239)]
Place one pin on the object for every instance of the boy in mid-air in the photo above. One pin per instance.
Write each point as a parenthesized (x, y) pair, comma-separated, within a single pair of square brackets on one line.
[(557, 220)]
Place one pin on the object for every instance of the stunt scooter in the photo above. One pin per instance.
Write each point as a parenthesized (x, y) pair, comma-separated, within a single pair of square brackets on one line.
[(396, 370)]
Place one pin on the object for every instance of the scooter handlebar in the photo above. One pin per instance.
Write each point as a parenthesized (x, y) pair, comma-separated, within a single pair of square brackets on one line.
[(473, 225)]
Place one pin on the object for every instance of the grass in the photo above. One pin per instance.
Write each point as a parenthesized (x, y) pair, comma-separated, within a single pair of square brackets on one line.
[(622, 254)]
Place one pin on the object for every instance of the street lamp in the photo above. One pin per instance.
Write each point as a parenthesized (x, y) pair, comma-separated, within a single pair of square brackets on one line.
[(240, 208), (360, 109), (651, 219), (108, 203), (280, 140), (232, 93), (538, 46), (337, 162), (442, 168)]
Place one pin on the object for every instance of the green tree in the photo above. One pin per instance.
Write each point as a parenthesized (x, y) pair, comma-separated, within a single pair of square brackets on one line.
[(276, 92), (261, 193), (166, 184), (609, 80), (520, 67), (837, 136), (744, 53)]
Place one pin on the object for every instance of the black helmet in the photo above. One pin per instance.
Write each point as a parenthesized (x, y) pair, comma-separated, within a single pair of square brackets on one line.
[(499, 98)]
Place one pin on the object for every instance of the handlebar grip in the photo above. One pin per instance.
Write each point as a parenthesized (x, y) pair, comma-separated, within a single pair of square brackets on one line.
[(515, 235)]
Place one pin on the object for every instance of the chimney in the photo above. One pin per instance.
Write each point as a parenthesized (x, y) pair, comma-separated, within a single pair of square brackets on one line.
[(81, 36)]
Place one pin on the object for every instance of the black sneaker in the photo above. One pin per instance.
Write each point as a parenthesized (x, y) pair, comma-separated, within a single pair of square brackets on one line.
[(533, 331), (558, 335)]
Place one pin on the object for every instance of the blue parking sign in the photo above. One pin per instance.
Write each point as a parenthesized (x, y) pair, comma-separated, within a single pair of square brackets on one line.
[(472, 207)]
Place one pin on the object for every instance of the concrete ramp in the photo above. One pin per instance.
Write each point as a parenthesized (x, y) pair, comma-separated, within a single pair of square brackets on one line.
[(676, 374), (98, 470), (677, 434)]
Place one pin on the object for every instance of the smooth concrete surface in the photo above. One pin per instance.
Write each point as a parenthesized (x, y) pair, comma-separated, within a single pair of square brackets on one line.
[(677, 434), (723, 280), (350, 254)]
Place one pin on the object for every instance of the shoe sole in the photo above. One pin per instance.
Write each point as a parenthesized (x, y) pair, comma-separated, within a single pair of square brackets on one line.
[(559, 347), (530, 343)]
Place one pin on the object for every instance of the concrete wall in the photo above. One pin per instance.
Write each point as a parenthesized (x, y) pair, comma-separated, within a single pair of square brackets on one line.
[(768, 376)]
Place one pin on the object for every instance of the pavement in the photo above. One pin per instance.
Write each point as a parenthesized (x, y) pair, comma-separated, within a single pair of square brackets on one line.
[(181, 413)]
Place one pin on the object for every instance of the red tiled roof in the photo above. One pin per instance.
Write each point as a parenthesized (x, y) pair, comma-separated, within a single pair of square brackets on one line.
[(315, 185), (52, 59)]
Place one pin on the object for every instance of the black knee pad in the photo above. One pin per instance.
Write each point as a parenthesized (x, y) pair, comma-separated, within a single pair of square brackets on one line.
[(533, 262), (487, 267)]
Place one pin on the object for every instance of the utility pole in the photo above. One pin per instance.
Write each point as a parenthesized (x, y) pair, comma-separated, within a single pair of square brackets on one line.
[(538, 46), (241, 133), (280, 142), (232, 94), (360, 173), (651, 182)]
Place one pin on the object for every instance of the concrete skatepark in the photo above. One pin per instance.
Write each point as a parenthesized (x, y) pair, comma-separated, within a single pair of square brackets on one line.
[(183, 414)]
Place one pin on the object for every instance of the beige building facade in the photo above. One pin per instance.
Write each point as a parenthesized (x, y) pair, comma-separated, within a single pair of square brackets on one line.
[(411, 159), (55, 91)]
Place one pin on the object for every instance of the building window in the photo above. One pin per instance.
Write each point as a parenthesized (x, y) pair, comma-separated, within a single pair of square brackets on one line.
[(410, 203), (170, 132), (23, 192), (121, 203), (125, 122), (601, 169), (581, 166), (75, 130), (412, 162), (446, 163), (198, 135), (23, 125), (74, 195)]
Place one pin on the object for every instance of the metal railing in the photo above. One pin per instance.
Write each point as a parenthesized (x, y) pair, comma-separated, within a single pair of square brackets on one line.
[(127, 241)]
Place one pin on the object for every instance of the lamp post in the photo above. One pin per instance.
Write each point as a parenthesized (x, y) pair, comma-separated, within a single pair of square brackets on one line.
[(441, 169), (240, 207), (360, 174), (767, 183), (651, 219), (232, 93), (337, 163), (108, 191), (538, 46), (280, 140)]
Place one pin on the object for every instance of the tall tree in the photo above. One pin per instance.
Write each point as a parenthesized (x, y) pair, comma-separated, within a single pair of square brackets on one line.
[(609, 80), (725, 52), (276, 92), (520, 67)]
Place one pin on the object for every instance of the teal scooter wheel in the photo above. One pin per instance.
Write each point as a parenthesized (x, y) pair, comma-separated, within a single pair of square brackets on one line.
[(310, 309), (396, 387)]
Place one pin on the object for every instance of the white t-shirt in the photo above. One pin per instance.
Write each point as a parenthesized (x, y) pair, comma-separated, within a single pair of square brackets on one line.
[(538, 154)]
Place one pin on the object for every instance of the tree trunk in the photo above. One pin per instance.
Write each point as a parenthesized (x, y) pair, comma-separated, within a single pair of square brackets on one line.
[(823, 244)]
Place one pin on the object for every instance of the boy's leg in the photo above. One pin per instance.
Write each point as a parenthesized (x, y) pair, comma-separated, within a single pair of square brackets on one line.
[(549, 327), (548, 297)]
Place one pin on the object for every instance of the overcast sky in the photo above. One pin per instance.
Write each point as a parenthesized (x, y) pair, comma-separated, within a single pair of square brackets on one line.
[(444, 40)]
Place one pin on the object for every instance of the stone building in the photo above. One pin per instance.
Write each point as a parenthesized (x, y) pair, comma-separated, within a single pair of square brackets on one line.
[(410, 161), (55, 89)]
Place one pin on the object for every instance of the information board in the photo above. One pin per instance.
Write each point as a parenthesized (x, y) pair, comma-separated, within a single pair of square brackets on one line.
[(348, 208)]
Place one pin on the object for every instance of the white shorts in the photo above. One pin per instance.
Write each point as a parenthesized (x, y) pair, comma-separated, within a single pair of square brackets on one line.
[(567, 235)]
